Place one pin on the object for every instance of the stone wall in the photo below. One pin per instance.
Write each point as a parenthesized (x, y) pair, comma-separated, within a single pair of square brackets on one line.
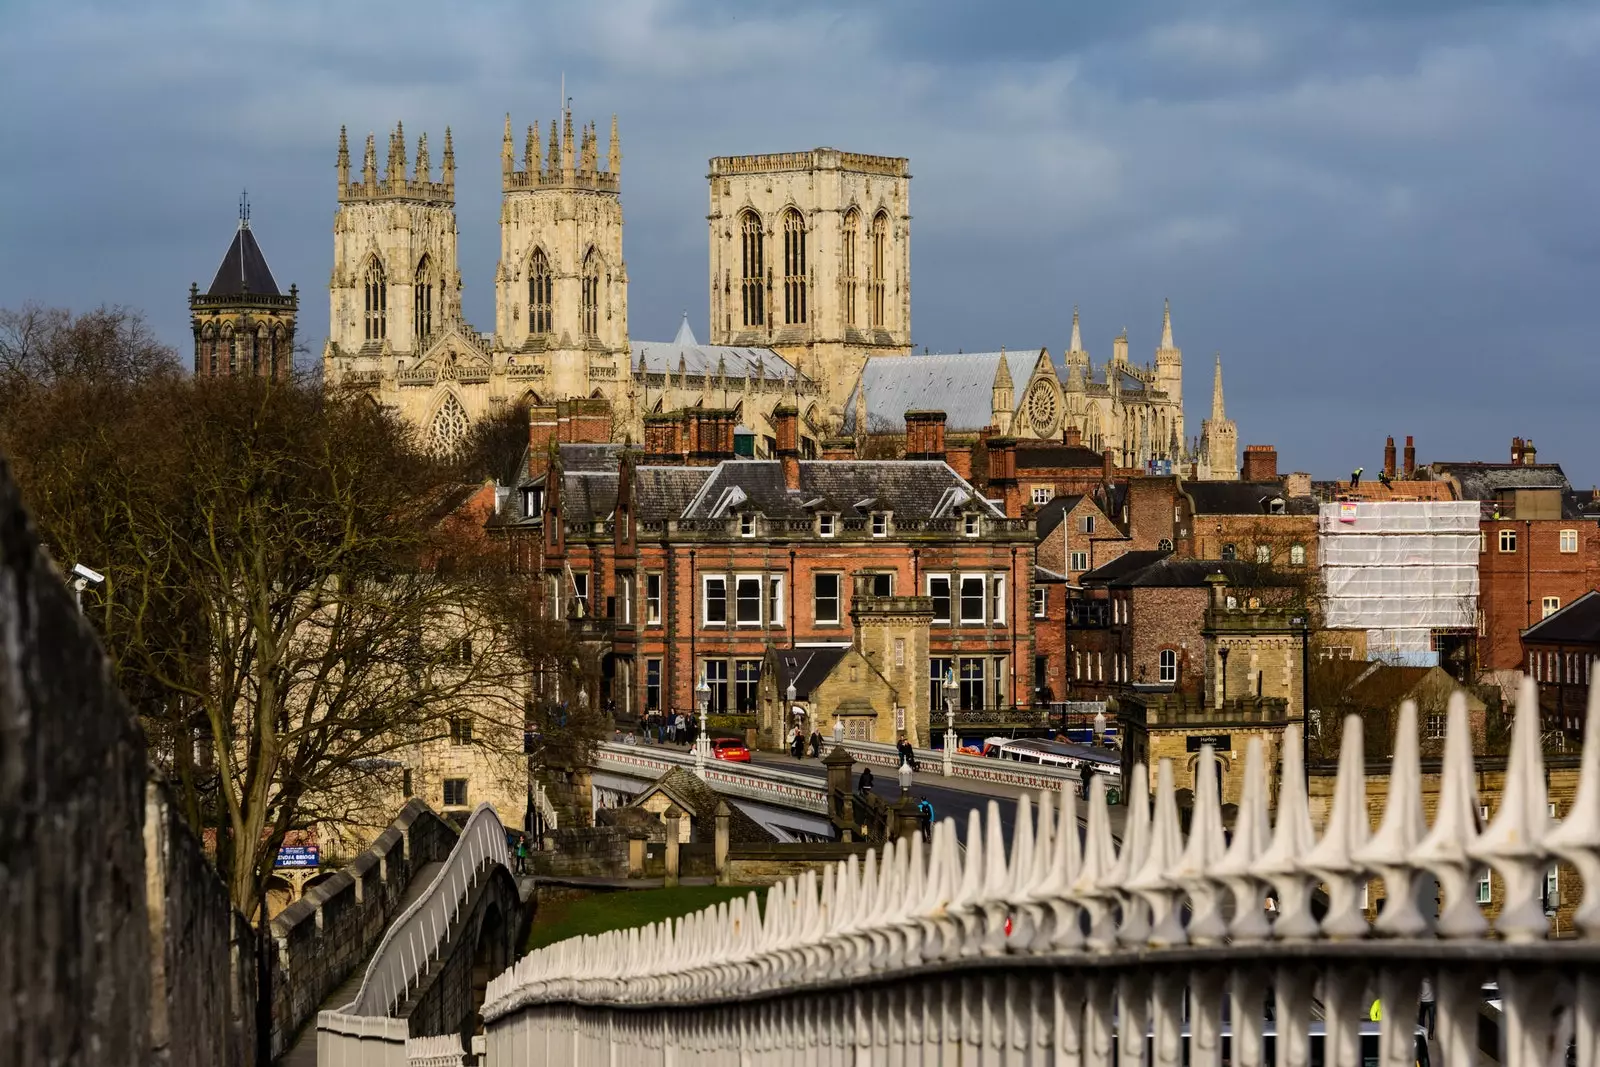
[(121, 946), (331, 930), (590, 852), (768, 864)]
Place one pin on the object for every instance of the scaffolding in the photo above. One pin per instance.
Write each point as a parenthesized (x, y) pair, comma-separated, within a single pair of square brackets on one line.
[(1401, 571)]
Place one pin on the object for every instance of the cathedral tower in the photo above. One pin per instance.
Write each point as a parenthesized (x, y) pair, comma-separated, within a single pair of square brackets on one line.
[(1219, 437), (811, 256), (395, 282), (561, 287), (1169, 378), (242, 324)]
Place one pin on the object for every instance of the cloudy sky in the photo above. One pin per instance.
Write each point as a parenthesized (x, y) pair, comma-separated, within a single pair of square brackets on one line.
[(1381, 212)]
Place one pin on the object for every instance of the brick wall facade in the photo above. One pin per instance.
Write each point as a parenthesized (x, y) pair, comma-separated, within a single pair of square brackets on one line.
[(1513, 585)]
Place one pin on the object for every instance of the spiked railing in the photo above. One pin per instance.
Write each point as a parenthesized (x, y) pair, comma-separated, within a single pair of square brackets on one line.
[(1059, 946)]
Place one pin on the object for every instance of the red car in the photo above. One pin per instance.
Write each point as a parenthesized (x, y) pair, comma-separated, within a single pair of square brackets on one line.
[(730, 749)]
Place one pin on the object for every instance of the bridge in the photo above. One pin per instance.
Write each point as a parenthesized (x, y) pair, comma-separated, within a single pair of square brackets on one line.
[(430, 972), (1178, 946)]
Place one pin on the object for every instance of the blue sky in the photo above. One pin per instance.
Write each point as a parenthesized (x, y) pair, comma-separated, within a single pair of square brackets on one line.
[(1382, 213)]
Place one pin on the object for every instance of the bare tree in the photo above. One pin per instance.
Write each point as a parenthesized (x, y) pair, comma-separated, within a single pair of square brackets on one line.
[(292, 599)]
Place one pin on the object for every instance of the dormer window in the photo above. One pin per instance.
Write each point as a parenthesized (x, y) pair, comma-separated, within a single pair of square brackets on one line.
[(747, 525), (532, 503), (880, 524), (972, 524), (824, 525)]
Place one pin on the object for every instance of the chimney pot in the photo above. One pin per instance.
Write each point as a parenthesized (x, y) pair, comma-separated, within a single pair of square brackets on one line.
[(1388, 457), (1410, 457)]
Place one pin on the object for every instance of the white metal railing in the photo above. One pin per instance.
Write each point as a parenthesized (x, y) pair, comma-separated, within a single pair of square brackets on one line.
[(546, 810), (771, 785), (1051, 948), (415, 939)]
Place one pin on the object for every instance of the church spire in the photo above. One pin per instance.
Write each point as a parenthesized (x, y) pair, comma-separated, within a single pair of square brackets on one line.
[(555, 147), (614, 156), (506, 165), (343, 162), (448, 170), (424, 164), (1077, 336), (530, 153), (397, 157), (1217, 412), (569, 159), (1166, 324)]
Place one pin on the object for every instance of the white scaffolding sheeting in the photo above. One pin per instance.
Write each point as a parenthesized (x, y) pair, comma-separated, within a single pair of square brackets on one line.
[(1400, 570)]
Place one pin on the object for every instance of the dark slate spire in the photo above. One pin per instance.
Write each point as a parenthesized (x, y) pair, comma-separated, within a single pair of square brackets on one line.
[(244, 269)]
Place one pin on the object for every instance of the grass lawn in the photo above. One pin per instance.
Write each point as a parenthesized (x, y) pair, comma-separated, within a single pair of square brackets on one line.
[(559, 920)]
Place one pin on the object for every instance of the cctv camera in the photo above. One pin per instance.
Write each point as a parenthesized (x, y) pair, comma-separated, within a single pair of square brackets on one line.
[(91, 576)]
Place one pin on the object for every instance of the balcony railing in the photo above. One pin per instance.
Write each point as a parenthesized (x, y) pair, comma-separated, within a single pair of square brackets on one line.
[(1055, 945)]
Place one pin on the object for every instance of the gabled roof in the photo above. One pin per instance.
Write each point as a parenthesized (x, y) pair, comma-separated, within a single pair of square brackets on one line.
[(244, 269), (1124, 565), (682, 353), (961, 386), (1244, 498), (1578, 624), (806, 668), (911, 489), (1485, 481), (1051, 515), (1056, 456), (699, 801)]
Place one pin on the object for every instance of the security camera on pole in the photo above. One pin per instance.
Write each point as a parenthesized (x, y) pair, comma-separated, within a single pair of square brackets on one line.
[(82, 578)]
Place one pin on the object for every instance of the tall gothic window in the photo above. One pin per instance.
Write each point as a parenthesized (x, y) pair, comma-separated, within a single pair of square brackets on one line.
[(753, 270), (230, 349), (258, 350), (794, 267), (540, 291), (852, 231), (449, 427), (377, 301), (875, 267), (422, 303), (206, 364), (591, 293), (278, 352)]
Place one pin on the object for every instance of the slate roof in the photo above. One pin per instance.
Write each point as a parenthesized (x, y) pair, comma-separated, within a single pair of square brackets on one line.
[(1122, 566), (806, 668), (684, 353), (700, 802), (911, 489), (1577, 624), (588, 497), (961, 386), (1485, 481), (665, 492), (1174, 573), (244, 269), (1244, 498), (590, 457), (1057, 457), (1051, 515)]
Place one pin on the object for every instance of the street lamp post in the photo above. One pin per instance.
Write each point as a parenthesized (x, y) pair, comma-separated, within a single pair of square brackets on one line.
[(702, 742)]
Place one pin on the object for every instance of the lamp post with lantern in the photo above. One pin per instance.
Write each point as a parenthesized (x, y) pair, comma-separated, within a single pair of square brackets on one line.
[(702, 741), (950, 741)]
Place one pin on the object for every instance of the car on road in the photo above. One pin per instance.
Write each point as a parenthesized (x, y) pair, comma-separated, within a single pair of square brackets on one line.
[(731, 749)]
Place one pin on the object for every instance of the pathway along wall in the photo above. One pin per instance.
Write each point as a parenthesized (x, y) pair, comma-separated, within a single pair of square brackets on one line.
[(120, 945)]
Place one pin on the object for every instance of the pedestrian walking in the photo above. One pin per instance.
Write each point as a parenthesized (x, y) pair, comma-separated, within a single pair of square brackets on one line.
[(925, 812), (816, 743), (797, 744), (522, 854)]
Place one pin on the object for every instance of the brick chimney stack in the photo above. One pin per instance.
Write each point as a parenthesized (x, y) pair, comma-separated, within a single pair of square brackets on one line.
[(663, 437), (1411, 457), (1108, 462), (541, 431), (1072, 437), (786, 422), (1260, 464), (710, 436), (1388, 457), (1003, 473), (925, 435)]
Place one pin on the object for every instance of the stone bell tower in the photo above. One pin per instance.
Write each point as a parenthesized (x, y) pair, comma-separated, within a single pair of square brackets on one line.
[(242, 324)]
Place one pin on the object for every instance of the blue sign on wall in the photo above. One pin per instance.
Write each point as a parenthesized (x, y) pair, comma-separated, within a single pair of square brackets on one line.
[(296, 856)]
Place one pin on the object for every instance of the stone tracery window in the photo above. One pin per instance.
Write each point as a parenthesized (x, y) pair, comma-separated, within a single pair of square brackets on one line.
[(422, 303), (852, 228), (207, 363), (540, 293), (377, 305), (794, 268), (590, 307), (876, 267), (449, 428), (278, 352), (257, 349), (752, 269), (230, 349)]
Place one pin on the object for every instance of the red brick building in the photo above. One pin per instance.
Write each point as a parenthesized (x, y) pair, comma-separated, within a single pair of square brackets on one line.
[(1558, 653), (684, 563)]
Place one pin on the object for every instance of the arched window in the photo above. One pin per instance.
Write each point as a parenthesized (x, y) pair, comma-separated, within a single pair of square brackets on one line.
[(278, 355), (259, 350), (752, 270), (794, 267), (1230, 551), (1297, 555), (1169, 667), (449, 427), (876, 266), (377, 308), (540, 292), (590, 308), (230, 350), (852, 232), (1164, 545), (422, 303)]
